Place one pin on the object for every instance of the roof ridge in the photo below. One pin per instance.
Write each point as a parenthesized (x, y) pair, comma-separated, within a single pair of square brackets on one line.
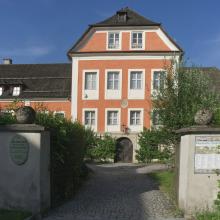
[(140, 15), (133, 19)]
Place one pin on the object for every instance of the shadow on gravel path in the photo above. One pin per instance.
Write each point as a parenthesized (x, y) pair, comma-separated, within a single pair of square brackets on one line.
[(117, 192)]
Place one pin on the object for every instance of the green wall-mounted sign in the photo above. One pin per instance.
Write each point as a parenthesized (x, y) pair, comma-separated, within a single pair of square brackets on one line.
[(19, 149)]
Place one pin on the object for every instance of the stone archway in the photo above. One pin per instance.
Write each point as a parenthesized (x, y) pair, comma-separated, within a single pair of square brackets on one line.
[(124, 150)]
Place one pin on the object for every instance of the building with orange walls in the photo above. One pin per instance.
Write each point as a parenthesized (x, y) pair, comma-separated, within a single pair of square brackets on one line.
[(117, 65)]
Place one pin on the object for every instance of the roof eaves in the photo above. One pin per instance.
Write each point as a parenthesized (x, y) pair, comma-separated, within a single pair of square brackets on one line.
[(172, 40), (78, 41)]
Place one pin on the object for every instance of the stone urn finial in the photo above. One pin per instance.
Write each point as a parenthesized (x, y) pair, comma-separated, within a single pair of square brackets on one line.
[(25, 115), (203, 117)]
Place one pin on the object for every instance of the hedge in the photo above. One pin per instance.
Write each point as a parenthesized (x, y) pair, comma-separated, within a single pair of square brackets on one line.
[(68, 147)]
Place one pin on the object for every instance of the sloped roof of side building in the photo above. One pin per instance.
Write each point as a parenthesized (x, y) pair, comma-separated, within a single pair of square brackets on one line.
[(37, 80)]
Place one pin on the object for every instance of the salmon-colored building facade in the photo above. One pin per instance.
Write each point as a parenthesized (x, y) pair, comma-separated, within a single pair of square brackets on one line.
[(117, 65), (58, 107)]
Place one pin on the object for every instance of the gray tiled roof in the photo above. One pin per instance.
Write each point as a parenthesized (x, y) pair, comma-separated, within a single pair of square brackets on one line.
[(37, 80), (133, 19)]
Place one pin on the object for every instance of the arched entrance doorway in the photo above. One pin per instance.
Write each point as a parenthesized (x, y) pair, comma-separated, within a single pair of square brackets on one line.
[(124, 150)]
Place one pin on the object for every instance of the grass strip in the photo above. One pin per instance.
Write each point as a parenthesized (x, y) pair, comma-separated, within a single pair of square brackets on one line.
[(13, 214)]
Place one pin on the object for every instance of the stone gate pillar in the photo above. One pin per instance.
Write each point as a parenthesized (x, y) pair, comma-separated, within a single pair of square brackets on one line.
[(197, 159), (24, 167)]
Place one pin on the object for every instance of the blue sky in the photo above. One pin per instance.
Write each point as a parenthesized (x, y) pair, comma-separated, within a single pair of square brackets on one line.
[(41, 31)]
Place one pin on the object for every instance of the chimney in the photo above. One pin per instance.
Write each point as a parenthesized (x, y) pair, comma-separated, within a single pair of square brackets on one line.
[(7, 61)]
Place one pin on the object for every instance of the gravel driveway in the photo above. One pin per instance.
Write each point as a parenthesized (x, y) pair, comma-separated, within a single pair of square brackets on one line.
[(117, 192)]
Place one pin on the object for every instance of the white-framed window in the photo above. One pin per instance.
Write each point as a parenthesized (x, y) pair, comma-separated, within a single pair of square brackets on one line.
[(1, 91), (136, 83), (16, 91), (113, 83), (159, 80), (112, 119), (114, 41), (156, 118), (136, 79), (90, 118), (90, 84), (113, 80), (90, 80), (137, 40), (156, 121), (59, 114), (135, 119)]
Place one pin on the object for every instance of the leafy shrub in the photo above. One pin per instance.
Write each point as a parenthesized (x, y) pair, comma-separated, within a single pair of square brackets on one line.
[(7, 119), (154, 144), (216, 117), (91, 142), (103, 148), (68, 147), (208, 215)]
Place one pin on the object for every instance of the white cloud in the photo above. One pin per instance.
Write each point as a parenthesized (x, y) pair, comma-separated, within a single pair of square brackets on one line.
[(212, 41), (216, 40), (38, 51), (34, 51)]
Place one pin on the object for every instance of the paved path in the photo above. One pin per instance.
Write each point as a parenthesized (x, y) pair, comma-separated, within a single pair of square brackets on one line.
[(117, 192)]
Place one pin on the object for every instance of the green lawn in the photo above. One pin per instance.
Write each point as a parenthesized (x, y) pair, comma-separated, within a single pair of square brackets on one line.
[(165, 179), (13, 215)]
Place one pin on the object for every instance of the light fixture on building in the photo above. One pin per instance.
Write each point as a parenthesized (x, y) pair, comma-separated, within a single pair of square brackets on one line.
[(125, 129)]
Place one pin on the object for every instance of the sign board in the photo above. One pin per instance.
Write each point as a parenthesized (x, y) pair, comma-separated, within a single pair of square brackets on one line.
[(19, 149), (207, 154)]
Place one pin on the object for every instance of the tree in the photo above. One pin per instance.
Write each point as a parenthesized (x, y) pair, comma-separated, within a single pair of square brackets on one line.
[(186, 91)]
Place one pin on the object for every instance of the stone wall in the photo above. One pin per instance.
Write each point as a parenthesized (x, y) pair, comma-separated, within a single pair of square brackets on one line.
[(196, 190), (25, 182)]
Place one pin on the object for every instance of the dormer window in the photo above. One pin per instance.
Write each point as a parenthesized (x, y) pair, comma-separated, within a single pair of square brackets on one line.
[(16, 91), (137, 40), (114, 40), (122, 16), (1, 91)]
